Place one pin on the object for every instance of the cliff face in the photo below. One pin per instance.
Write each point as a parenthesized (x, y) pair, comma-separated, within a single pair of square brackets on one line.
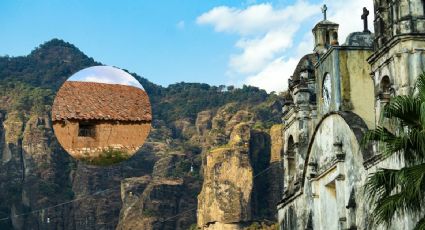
[(36, 173), (228, 182), (275, 174), (236, 188), (33, 175), (148, 204)]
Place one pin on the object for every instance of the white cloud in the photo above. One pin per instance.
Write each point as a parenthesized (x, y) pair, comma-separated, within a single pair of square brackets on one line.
[(257, 53), (256, 18), (270, 38), (272, 77)]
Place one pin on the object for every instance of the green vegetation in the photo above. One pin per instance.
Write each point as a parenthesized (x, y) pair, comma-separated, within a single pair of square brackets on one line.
[(24, 97), (107, 157), (150, 212), (193, 227), (181, 169), (48, 188), (184, 100), (262, 226), (48, 66), (399, 191)]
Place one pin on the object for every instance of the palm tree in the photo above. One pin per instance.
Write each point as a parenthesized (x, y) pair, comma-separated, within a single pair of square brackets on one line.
[(400, 191)]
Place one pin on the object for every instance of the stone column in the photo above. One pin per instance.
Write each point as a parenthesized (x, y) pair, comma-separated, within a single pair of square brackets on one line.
[(340, 185)]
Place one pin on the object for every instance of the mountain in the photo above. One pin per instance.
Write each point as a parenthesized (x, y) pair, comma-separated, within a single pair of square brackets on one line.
[(155, 189)]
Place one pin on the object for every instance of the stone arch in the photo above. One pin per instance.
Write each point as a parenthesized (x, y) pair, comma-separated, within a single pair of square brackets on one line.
[(356, 125), (294, 139), (335, 163)]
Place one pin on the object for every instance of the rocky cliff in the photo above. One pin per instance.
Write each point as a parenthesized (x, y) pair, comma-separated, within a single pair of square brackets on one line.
[(41, 187), (237, 186)]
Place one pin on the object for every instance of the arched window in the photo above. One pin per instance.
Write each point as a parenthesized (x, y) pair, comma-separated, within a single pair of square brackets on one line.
[(385, 84), (335, 38), (385, 89), (326, 91), (328, 40), (291, 159)]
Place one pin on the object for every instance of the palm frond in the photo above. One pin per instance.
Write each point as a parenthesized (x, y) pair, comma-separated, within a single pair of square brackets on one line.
[(405, 109), (381, 183), (420, 225), (420, 86), (395, 192)]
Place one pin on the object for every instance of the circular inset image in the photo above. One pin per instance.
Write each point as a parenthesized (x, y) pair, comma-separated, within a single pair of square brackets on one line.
[(101, 115)]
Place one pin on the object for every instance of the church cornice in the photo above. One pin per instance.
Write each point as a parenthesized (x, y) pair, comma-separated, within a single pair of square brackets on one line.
[(285, 201), (393, 42), (325, 55)]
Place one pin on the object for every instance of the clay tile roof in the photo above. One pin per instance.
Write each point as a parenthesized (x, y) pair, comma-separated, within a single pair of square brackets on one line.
[(100, 101)]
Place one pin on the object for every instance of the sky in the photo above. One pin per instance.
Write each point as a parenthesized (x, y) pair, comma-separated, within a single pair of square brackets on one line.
[(105, 74), (229, 42)]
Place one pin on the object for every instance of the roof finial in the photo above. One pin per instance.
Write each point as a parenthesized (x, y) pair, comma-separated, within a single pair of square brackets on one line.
[(364, 17), (324, 9)]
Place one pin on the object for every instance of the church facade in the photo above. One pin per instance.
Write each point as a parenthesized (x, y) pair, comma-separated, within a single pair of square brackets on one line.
[(335, 95)]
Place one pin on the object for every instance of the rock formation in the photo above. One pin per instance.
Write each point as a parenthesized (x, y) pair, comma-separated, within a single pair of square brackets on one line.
[(231, 196)]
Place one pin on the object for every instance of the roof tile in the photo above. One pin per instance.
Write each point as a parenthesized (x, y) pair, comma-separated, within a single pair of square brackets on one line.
[(100, 101)]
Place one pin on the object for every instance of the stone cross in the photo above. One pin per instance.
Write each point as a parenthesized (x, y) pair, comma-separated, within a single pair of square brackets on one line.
[(324, 9), (364, 18)]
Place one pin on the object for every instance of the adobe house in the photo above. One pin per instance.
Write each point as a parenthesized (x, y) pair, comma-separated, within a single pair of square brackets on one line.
[(90, 118)]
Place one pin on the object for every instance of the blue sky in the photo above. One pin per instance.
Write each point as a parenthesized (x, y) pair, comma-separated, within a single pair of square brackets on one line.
[(167, 41)]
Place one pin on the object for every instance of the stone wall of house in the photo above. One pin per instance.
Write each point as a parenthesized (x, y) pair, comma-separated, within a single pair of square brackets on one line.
[(124, 136)]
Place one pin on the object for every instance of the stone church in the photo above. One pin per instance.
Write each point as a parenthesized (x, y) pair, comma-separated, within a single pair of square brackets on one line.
[(336, 94)]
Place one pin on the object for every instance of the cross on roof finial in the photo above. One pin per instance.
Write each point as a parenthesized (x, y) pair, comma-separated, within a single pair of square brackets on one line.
[(364, 17), (324, 9)]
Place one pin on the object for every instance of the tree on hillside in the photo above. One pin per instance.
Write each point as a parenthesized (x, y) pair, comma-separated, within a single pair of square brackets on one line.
[(394, 192)]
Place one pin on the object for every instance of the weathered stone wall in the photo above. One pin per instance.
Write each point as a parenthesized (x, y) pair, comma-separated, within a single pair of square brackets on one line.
[(357, 85), (401, 60), (332, 196), (333, 170), (125, 136), (350, 79)]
